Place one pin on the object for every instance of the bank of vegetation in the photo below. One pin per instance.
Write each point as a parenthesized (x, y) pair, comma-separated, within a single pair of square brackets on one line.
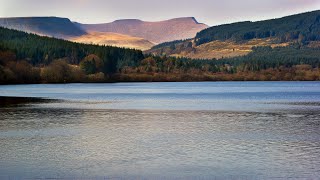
[(28, 58)]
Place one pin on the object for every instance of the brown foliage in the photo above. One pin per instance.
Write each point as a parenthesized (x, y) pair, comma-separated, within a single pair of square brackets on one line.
[(98, 77), (6, 56), (23, 72), (57, 72)]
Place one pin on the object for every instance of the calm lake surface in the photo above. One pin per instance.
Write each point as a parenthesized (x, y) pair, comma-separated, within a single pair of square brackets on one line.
[(205, 130)]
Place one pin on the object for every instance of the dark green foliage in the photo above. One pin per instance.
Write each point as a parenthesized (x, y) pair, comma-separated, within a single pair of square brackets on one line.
[(303, 27), (43, 50), (267, 57), (189, 45), (172, 47), (27, 58), (260, 58), (89, 67), (168, 44)]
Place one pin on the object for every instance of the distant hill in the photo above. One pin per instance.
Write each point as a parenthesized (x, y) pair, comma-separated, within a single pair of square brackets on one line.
[(49, 26), (113, 39), (29, 58), (156, 32), (214, 49), (237, 39), (122, 33), (305, 26)]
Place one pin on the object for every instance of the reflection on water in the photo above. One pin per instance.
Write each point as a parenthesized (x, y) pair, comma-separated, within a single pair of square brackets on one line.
[(81, 136), (219, 96), (19, 101), (55, 143)]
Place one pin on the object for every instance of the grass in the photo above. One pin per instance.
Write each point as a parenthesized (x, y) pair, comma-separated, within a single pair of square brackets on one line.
[(217, 49), (113, 39)]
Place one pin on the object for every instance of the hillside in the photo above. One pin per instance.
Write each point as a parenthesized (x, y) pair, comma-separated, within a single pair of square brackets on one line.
[(48, 26), (237, 39), (155, 32), (40, 51), (29, 58), (121, 33), (212, 50), (113, 39), (302, 27)]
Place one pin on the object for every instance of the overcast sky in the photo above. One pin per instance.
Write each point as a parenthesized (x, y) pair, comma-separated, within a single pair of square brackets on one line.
[(211, 12)]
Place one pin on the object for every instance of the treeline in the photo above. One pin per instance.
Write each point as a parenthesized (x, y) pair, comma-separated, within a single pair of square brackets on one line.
[(41, 51), (170, 43), (302, 27), (27, 58), (267, 57), (263, 63)]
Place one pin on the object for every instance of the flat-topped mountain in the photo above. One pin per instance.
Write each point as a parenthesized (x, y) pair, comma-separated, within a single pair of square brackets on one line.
[(48, 26), (156, 32), (131, 33)]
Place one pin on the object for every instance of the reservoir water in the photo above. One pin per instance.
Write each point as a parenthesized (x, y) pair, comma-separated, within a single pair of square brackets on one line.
[(203, 130)]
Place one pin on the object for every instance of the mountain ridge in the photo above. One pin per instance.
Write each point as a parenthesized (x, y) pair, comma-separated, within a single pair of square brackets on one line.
[(139, 20), (52, 26), (140, 34), (155, 32), (238, 39)]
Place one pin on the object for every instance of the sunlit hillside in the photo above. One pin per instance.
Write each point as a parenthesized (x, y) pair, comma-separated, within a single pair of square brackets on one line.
[(215, 49), (113, 39), (156, 32), (237, 39)]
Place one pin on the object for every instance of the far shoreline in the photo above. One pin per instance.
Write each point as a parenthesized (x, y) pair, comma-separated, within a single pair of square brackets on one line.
[(115, 82)]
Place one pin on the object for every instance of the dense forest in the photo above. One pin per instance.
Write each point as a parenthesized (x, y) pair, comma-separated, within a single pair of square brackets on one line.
[(263, 63), (28, 58), (302, 27), (39, 50)]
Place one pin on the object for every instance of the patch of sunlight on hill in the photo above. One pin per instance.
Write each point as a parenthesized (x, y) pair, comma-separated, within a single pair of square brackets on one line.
[(113, 39), (215, 49)]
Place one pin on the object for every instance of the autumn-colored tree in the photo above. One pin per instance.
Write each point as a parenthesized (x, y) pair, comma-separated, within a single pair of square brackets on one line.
[(57, 71), (24, 72), (91, 64), (6, 56)]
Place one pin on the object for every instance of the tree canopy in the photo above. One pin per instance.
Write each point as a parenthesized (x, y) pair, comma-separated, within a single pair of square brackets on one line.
[(302, 27)]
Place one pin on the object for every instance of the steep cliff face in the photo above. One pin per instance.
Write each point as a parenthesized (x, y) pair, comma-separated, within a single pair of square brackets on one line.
[(156, 32)]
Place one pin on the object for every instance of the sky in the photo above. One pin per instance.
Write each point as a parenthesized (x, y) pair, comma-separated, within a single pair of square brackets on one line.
[(211, 12)]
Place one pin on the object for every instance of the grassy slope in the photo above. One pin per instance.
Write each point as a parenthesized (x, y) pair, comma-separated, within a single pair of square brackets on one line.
[(113, 39), (214, 49), (237, 39), (156, 32)]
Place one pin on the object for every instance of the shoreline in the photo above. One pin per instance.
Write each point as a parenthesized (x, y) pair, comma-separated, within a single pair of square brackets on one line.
[(115, 82)]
